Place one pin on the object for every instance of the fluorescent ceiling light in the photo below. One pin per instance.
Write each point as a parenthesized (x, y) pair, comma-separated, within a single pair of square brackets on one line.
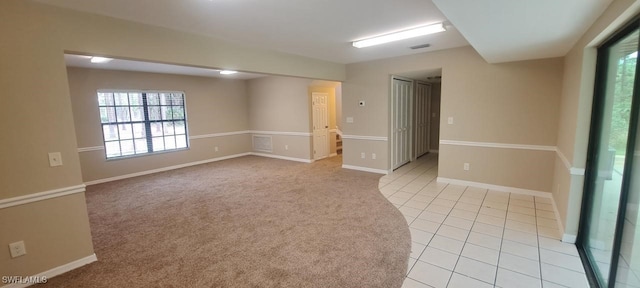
[(401, 35), (96, 59), (228, 72)]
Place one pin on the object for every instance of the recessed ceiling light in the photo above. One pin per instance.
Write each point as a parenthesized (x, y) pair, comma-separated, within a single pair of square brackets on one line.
[(228, 72), (97, 59), (401, 35)]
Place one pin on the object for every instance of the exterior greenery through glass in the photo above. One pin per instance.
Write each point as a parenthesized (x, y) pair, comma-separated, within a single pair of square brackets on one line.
[(142, 122)]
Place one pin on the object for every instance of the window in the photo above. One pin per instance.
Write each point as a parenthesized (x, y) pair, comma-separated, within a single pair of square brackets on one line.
[(142, 122)]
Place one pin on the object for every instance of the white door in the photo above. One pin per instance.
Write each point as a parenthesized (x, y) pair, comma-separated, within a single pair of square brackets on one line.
[(320, 110), (422, 111), (401, 121)]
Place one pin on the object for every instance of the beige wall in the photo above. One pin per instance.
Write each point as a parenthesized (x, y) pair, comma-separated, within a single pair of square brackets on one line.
[(510, 103), (281, 104), (434, 123), (214, 105), (575, 111), (40, 120)]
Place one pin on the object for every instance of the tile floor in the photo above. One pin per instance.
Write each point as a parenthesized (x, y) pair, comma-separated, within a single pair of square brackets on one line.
[(471, 237)]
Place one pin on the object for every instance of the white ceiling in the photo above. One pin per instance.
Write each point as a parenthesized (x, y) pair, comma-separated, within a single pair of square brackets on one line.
[(321, 29), (508, 30), (500, 30), (128, 65)]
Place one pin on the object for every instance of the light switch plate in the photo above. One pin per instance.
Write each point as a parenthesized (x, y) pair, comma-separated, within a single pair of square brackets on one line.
[(55, 159), (450, 120), (17, 249), (349, 119)]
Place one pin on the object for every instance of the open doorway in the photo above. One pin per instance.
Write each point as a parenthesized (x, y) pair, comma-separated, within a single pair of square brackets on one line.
[(325, 103), (414, 115)]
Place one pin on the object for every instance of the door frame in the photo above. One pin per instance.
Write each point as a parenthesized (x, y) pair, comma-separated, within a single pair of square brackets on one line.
[(392, 116), (591, 169)]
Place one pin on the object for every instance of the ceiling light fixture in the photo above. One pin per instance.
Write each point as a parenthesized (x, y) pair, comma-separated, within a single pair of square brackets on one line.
[(400, 35), (228, 72), (96, 59)]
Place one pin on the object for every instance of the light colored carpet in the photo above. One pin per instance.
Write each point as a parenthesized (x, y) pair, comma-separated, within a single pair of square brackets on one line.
[(245, 222)]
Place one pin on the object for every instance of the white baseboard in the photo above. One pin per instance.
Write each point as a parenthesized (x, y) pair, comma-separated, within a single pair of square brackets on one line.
[(57, 270), (147, 172), (433, 151), (333, 154), (281, 157), (569, 238), (365, 169), (495, 187)]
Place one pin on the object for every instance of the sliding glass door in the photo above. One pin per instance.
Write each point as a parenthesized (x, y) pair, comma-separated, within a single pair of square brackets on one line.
[(612, 182)]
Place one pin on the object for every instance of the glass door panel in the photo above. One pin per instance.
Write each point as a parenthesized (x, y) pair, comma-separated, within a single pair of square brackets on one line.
[(608, 149)]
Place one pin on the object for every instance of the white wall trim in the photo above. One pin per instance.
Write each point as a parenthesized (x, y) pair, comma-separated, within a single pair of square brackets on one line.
[(339, 132), (333, 154), (87, 149), (559, 221), (365, 169), (569, 238), (213, 135), (433, 151), (303, 134), (281, 157), (359, 137), (147, 172), (572, 170), (222, 134), (495, 187), (498, 145), (58, 270), (15, 201)]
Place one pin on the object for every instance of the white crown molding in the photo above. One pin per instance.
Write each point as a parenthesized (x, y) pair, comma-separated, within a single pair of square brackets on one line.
[(359, 137), (20, 200), (365, 169), (498, 145)]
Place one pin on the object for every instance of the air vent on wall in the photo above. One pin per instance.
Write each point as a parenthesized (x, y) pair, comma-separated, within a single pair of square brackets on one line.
[(262, 143), (420, 46)]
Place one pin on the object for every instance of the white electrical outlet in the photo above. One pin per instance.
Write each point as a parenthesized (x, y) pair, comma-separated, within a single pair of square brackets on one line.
[(286, 147), (466, 167), (215, 149), (450, 120), (362, 155), (55, 159), (373, 156), (17, 249), (349, 119)]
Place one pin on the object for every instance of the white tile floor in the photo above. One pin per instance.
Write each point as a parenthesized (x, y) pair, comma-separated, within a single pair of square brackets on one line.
[(471, 237)]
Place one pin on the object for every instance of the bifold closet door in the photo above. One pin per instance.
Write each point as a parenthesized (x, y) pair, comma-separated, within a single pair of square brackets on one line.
[(401, 124), (422, 111)]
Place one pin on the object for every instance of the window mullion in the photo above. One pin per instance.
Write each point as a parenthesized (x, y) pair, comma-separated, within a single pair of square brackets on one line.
[(147, 122)]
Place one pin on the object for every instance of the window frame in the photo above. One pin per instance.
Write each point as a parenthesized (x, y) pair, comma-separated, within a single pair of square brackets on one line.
[(146, 121)]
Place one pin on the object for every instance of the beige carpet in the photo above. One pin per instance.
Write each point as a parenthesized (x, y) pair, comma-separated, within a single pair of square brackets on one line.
[(245, 222)]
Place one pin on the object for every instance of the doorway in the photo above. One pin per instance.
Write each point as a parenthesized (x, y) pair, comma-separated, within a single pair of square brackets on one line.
[(401, 116), (320, 111), (609, 239)]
